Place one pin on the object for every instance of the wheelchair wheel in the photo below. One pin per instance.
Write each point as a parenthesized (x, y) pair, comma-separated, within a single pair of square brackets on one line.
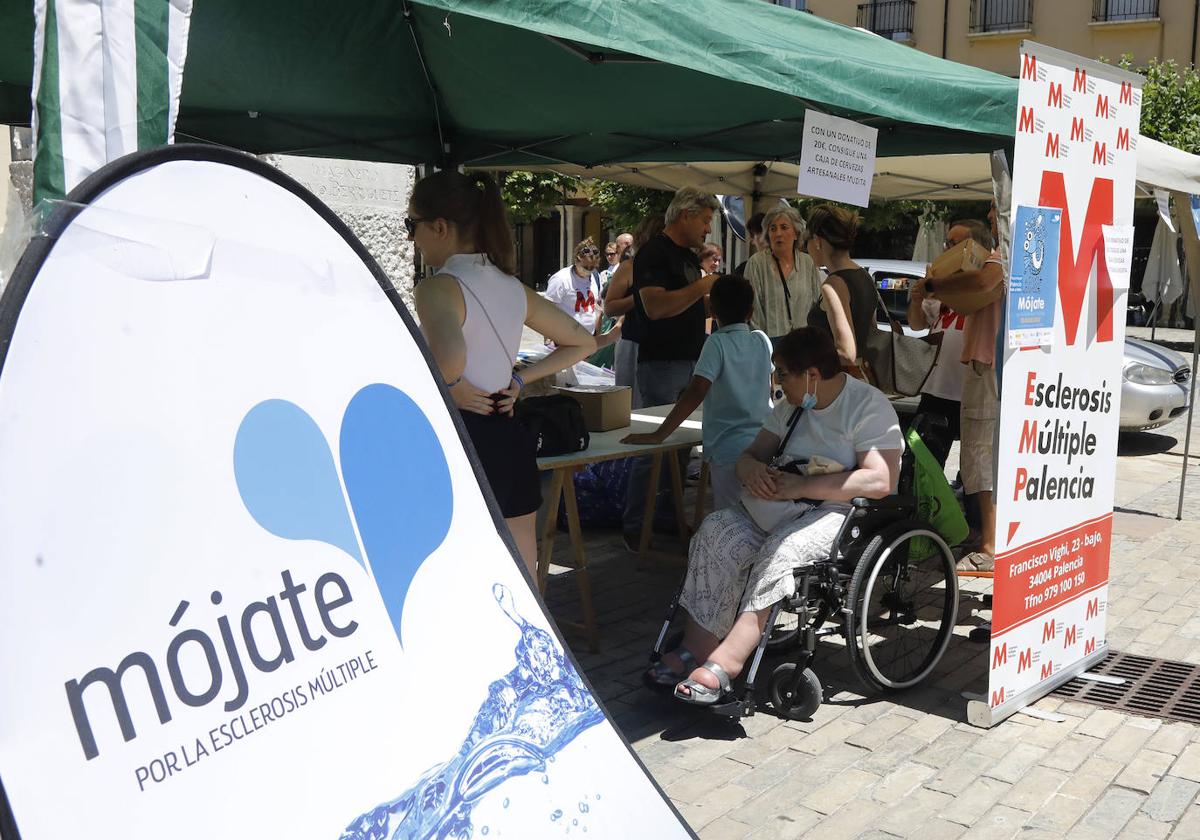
[(799, 704), (904, 600)]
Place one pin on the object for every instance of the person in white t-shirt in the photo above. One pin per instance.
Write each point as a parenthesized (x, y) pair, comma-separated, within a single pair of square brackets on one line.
[(736, 570), (575, 290), (941, 395)]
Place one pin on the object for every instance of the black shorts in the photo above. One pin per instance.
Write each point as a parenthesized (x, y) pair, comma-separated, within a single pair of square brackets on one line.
[(508, 454)]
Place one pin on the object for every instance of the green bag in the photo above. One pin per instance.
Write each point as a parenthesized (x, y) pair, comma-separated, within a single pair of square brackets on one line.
[(937, 505)]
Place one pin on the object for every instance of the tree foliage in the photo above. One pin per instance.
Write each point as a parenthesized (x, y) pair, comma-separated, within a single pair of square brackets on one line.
[(625, 205), (1170, 102), (534, 195)]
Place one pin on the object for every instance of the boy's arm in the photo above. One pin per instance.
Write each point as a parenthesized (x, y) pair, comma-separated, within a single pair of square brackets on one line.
[(688, 402)]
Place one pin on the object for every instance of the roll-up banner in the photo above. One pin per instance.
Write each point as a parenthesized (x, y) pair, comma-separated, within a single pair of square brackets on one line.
[(1071, 221), (252, 583)]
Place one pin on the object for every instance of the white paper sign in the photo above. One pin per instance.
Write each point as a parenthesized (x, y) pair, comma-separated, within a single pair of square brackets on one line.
[(1163, 199), (837, 160), (1118, 253)]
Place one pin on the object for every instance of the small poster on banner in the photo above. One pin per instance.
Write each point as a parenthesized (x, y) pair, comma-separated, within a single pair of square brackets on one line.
[(1118, 253), (837, 160), (1031, 294)]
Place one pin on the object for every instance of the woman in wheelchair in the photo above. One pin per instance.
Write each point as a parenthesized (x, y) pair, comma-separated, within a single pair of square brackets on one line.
[(834, 438)]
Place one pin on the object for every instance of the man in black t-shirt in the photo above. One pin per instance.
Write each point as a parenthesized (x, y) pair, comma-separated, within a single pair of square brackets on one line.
[(668, 294)]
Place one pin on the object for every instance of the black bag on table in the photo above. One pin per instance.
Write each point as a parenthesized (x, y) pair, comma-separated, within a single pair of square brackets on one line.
[(556, 423)]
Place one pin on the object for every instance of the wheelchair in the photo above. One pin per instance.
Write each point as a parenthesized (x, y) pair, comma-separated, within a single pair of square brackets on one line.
[(888, 587)]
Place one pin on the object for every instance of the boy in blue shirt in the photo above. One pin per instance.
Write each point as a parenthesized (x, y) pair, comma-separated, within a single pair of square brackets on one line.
[(732, 378)]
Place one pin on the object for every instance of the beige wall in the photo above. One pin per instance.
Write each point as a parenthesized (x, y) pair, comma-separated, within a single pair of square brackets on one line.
[(1065, 24)]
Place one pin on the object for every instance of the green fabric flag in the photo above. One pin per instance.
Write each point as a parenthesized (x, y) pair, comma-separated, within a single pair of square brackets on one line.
[(936, 503), (107, 76)]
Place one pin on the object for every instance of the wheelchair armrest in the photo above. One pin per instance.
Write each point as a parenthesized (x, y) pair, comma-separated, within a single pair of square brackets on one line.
[(863, 505)]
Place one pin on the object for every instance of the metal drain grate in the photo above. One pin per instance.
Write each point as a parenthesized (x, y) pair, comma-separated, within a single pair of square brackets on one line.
[(1152, 688)]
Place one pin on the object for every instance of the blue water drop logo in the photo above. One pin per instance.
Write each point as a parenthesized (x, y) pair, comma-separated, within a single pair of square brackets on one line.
[(395, 472)]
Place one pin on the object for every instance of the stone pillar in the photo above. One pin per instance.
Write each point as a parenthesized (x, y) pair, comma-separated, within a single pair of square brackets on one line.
[(372, 199)]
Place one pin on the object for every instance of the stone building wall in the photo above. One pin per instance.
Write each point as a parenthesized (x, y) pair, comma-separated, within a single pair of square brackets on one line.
[(371, 198)]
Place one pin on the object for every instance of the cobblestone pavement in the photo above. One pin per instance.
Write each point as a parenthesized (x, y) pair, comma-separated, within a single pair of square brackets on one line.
[(908, 765)]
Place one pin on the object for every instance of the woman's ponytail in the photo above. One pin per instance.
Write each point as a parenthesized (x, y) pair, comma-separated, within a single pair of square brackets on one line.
[(494, 236)]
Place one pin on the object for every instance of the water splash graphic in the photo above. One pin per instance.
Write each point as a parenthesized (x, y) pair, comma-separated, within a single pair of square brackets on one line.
[(530, 713)]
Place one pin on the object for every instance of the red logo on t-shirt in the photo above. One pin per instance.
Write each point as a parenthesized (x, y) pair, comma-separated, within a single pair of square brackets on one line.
[(585, 304), (948, 316)]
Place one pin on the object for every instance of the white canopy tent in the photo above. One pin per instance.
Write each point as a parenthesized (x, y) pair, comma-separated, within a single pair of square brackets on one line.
[(931, 177)]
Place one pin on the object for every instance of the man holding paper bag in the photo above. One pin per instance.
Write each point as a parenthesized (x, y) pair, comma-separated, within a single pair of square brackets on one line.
[(969, 278)]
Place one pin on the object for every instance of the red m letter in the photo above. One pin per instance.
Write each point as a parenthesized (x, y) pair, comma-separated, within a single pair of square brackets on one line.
[(1100, 153), (1048, 631), (1101, 106), (1028, 436), (1047, 670), (1055, 96), (1025, 121), (1093, 608), (1076, 128), (1024, 660), (1069, 636), (1074, 269), (1080, 82), (999, 656), (1051, 145), (1028, 66), (1123, 138), (1126, 93)]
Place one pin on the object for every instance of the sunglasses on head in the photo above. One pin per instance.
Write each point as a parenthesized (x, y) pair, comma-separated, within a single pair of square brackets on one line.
[(589, 252), (410, 224)]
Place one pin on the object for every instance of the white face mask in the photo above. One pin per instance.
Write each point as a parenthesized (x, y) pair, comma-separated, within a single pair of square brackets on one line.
[(809, 400)]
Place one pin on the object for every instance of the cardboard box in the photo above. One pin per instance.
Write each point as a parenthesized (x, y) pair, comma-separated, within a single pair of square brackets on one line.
[(967, 255), (604, 407)]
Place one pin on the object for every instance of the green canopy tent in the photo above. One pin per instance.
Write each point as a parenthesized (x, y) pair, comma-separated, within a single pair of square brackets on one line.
[(479, 82)]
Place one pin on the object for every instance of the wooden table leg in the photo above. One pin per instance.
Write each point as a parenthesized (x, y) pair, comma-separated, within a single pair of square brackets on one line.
[(700, 491), (581, 571), (651, 502), (677, 493), (549, 527)]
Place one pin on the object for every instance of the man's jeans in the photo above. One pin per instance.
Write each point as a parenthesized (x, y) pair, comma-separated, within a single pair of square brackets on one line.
[(658, 383)]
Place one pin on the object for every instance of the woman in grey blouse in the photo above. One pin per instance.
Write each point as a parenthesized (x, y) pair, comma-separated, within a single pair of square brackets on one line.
[(785, 280)]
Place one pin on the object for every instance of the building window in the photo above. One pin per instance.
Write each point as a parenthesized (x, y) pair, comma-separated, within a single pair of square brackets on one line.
[(889, 18), (1117, 10), (1001, 15), (798, 5)]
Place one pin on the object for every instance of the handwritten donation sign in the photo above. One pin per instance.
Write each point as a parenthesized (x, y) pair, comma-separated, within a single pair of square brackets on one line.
[(240, 535), (1073, 188), (837, 160)]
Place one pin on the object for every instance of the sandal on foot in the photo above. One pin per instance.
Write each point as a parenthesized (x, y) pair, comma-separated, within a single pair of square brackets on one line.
[(976, 561), (660, 676), (701, 695)]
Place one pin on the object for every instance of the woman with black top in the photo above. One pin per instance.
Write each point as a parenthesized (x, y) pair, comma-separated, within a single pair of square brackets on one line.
[(472, 313), (848, 296), (785, 281)]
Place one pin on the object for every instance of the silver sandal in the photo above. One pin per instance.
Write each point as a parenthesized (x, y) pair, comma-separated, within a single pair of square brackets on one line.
[(699, 694)]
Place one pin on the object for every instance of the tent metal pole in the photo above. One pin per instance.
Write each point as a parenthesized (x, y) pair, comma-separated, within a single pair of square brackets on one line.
[(1187, 439)]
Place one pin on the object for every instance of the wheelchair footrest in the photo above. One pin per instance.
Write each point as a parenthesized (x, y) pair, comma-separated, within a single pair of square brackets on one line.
[(734, 708)]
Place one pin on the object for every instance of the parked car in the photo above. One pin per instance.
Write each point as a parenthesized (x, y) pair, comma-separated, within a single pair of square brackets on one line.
[(1154, 380)]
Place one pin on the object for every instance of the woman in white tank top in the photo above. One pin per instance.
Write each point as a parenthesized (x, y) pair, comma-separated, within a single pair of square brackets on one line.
[(472, 312)]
